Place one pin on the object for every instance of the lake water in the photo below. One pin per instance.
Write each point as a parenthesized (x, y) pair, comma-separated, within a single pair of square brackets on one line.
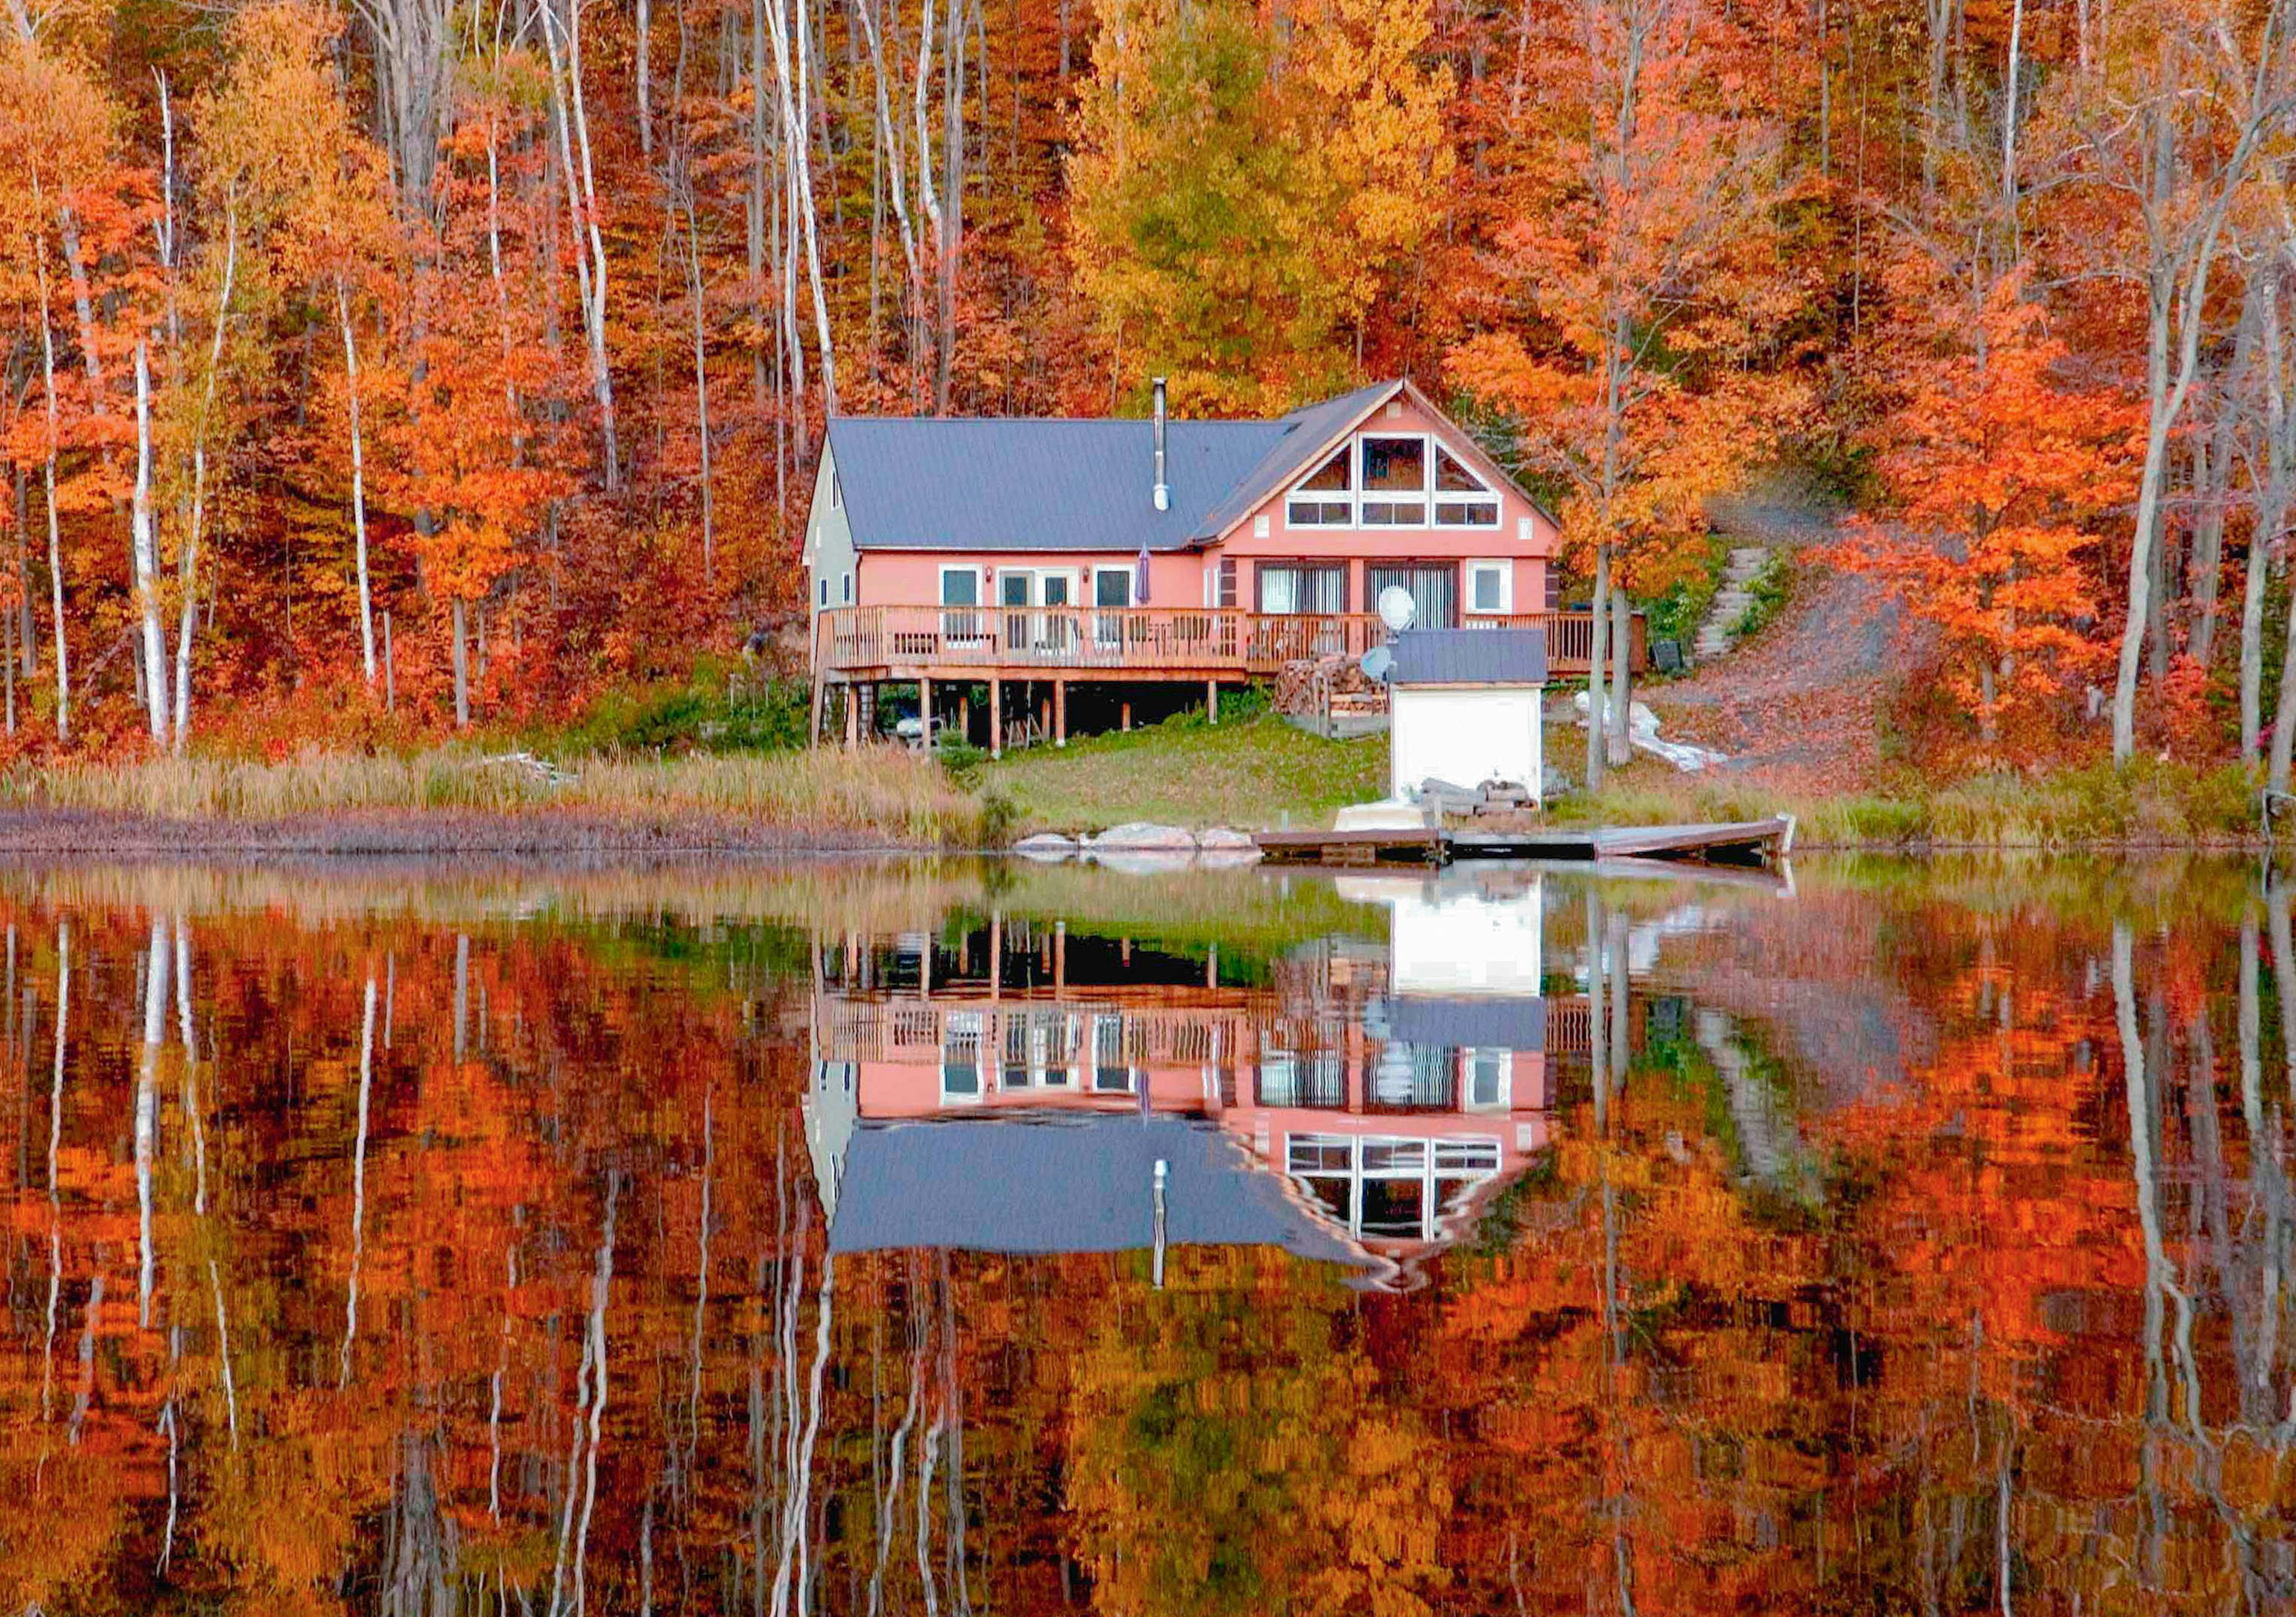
[(949, 1238)]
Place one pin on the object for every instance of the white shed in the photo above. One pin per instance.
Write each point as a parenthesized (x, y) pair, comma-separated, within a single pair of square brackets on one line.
[(1464, 707)]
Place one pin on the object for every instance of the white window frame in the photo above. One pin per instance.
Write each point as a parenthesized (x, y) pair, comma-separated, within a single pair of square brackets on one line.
[(1489, 564), (947, 568), (1426, 484), (1356, 494), (1434, 495), (1504, 1101), (961, 1023)]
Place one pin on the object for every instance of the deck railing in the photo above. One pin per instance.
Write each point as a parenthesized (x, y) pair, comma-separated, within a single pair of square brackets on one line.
[(1185, 639)]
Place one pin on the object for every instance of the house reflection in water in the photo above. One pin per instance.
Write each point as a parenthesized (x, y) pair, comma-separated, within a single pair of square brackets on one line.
[(1013, 1088)]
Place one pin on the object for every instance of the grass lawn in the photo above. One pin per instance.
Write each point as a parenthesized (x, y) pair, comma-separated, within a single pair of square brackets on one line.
[(1249, 773)]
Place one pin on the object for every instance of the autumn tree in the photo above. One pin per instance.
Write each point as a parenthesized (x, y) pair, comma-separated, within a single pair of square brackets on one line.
[(1647, 175)]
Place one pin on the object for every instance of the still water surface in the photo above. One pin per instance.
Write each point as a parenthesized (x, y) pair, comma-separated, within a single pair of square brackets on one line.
[(947, 1237)]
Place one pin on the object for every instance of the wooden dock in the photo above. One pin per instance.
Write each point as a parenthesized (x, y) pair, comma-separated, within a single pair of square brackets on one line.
[(1737, 842)]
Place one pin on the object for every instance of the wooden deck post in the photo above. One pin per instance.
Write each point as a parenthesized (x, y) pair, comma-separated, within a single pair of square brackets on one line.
[(1212, 701), (813, 736), (996, 717), (1060, 712), (1127, 714), (925, 710), (852, 713)]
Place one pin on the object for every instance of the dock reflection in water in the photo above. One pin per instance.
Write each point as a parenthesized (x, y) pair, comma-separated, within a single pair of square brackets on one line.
[(745, 1240)]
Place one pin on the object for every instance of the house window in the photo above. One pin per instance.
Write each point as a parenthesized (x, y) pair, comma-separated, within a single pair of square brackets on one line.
[(1227, 590), (1110, 1072), (960, 1057), (849, 588), (960, 595), (1394, 481), (824, 590), (1326, 500), (1111, 587), (1488, 1080), (1301, 586), (1433, 587), (836, 491), (1461, 499), (1491, 586)]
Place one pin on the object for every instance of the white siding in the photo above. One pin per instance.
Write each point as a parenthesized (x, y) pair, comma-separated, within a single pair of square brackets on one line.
[(828, 540), (1465, 735)]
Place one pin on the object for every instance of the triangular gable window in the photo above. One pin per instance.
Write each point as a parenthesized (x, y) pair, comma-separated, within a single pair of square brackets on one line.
[(1461, 499), (1325, 497)]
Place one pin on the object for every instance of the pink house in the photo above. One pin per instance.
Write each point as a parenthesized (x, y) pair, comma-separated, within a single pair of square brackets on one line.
[(1003, 567)]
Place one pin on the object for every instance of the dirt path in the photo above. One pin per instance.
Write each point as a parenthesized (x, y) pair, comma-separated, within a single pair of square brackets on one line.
[(1799, 705)]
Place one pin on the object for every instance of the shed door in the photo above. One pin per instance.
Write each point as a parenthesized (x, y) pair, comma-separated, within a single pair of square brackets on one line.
[(1464, 736)]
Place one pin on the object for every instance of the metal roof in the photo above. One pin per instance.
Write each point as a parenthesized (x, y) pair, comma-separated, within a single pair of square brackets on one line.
[(1006, 483), (949, 482), (1470, 657), (1047, 1183), (1516, 1023)]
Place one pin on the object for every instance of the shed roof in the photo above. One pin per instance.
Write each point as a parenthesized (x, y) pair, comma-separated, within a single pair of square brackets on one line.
[(1060, 1183), (1470, 657), (1460, 1022)]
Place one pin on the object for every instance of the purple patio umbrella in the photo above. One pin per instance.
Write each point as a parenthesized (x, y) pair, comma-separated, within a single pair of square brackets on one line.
[(1140, 576)]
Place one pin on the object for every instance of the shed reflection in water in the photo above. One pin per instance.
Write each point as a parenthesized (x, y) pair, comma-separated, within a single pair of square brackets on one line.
[(728, 1240)]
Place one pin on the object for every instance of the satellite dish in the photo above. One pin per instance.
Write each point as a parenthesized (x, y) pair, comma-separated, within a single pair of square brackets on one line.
[(1377, 662), (1397, 609)]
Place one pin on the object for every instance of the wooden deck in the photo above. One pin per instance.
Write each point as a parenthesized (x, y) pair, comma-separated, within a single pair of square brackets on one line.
[(1132, 643), (1744, 841)]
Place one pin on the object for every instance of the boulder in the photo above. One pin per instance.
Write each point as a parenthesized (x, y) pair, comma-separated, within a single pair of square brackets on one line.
[(1141, 837), (1222, 839), (1047, 846)]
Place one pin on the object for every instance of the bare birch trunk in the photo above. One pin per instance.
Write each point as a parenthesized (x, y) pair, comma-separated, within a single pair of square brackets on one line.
[(358, 481), (147, 568), (700, 394), (565, 59), (48, 478), (188, 562)]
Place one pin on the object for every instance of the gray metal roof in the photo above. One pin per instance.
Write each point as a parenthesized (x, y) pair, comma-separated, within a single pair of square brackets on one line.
[(1047, 1183), (1470, 657), (1305, 431), (1516, 1024), (945, 483), (1004, 483)]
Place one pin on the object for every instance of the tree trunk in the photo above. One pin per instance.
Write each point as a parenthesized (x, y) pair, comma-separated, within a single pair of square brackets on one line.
[(461, 667), (1619, 729), (146, 549), (48, 481), (358, 483), (188, 561), (700, 395), (1597, 710), (2212, 478)]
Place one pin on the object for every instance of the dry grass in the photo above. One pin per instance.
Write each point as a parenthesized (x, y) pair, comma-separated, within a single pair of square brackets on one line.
[(883, 794), (2147, 804)]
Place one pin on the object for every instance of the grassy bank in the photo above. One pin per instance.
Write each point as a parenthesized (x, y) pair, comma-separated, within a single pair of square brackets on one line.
[(2147, 804), (1251, 772), (451, 797)]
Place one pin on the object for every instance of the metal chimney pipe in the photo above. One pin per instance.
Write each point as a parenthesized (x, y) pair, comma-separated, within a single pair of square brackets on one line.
[(1163, 489)]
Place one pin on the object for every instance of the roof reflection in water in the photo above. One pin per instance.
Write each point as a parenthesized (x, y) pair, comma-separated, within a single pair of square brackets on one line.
[(1010, 1086)]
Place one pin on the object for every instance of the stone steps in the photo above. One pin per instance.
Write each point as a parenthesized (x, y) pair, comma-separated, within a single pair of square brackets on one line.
[(1715, 637)]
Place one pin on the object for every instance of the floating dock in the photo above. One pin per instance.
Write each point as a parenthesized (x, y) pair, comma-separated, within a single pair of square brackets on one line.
[(1737, 842)]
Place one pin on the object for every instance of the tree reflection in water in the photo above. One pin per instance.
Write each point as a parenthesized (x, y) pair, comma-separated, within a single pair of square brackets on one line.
[(749, 1241)]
